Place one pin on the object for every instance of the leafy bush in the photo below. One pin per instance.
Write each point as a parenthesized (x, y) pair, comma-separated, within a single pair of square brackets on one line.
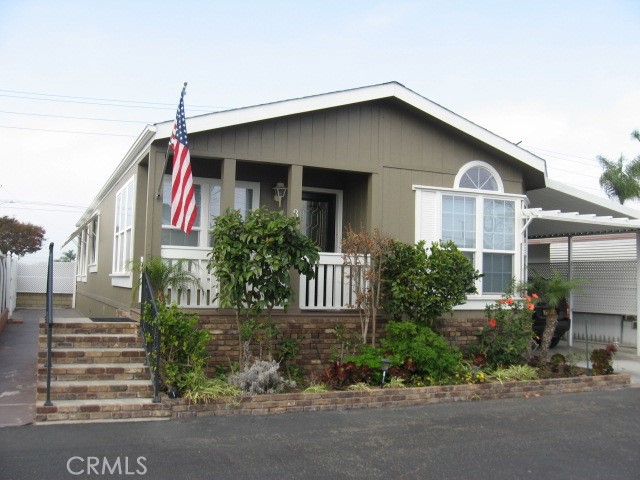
[(514, 373), (197, 387), (183, 347), (421, 284), (260, 378), (420, 349), (602, 359), (506, 340)]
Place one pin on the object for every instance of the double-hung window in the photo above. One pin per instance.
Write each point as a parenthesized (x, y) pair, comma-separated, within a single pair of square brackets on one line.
[(208, 193), (123, 235), (480, 219)]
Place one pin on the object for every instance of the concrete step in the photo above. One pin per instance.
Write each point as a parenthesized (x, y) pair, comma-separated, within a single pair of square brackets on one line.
[(93, 355), (95, 371), (83, 340), (96, 389), (103, 410)]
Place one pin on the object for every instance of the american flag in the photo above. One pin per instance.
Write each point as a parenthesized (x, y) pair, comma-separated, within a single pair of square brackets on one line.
[(183, 202)]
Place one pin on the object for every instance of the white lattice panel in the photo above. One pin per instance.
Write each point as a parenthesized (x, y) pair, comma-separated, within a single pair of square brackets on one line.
[(610, 285), (32, 277)]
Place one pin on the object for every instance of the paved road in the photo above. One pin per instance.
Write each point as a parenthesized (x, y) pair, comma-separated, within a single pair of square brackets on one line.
[(583, 436)]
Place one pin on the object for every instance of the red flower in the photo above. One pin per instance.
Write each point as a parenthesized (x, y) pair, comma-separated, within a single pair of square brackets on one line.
[(509, 301), (492, 322), (502, 301), (531, 306), (534, 295), (527, 298)]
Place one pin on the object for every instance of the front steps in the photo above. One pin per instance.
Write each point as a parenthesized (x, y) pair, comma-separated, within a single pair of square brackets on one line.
[(97, 373)]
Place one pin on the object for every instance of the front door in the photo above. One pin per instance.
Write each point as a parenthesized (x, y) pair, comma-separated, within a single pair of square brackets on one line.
[(318, 220)]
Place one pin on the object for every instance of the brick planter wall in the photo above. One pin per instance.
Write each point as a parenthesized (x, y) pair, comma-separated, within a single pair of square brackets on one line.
[(392, 397), (39, 300), (460, 331), (313, 331)]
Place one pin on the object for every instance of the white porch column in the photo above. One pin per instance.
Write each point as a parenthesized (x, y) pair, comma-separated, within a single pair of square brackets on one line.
[(569, 277), (637, 290)]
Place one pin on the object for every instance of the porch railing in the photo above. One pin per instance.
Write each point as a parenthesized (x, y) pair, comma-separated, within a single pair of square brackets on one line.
[(331, 288), (150, 333), (206, 297), (49, 322)]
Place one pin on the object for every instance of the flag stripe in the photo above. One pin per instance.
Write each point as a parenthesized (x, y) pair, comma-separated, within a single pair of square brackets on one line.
[(183, 203)]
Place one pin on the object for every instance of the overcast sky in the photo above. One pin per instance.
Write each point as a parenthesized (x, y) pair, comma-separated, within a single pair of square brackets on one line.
[(560, 76)]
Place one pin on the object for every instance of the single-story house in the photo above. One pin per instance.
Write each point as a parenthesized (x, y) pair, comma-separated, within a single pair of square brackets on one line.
[(377, 156)]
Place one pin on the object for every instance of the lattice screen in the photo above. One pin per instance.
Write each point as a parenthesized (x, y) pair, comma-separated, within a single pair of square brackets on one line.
[(610, 286), (32, 277)]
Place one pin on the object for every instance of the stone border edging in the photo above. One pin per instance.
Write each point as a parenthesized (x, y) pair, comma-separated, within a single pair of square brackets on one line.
[(392, 397)]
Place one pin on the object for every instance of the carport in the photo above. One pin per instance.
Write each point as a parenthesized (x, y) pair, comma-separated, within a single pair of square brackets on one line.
[(562, 211)]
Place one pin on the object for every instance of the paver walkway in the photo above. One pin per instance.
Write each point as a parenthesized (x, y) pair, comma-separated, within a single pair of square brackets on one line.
[(19, 365)]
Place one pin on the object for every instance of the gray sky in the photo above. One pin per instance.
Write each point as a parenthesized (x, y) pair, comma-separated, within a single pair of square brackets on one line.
[(562, 77)]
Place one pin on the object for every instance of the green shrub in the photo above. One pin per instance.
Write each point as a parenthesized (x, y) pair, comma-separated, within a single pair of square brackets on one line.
[(196, 387), (422, 350), (602, 359), (183, 347), (507, 339), (514, 373), (421, 284)]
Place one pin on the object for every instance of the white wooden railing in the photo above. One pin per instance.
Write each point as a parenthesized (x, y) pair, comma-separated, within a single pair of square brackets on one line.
[(207, 297), (329, 290), (331, 287)]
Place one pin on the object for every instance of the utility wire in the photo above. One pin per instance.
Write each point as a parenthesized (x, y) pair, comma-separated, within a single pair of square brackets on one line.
[(173, 105), (69, 131), (76, 118)]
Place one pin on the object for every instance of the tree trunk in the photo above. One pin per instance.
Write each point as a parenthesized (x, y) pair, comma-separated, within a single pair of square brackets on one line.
[(547, 335)]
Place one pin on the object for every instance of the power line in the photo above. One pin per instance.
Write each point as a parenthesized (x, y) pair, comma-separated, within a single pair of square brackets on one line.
[(69, 131), (38, 209), (173, 105), (23, 202), (101, 103), (75, 118)]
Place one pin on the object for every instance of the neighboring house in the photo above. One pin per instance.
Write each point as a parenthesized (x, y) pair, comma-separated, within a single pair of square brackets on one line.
[(378, 156)]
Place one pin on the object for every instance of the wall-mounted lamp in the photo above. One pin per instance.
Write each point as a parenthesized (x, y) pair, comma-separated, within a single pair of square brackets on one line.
[(279, 192)]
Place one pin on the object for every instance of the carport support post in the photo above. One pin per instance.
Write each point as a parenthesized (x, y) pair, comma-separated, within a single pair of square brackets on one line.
[(569, 277), (637, 290)]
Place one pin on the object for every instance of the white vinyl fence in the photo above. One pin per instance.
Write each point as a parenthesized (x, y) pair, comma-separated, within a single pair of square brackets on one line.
[(8, 283)]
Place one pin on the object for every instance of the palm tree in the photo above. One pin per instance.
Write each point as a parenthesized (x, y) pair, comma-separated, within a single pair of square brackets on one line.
[(553, 291), (619, 180), (163, 275)]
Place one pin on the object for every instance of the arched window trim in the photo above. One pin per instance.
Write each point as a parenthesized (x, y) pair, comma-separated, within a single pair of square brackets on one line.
[(478, 163)]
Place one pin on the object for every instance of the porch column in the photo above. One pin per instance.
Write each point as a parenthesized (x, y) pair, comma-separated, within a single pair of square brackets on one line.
[(227, 198), (294, 192), (637, 290), (374, 202), (294, 206)]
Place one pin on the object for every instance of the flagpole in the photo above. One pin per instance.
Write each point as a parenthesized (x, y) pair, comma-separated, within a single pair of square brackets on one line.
[(166, 155)]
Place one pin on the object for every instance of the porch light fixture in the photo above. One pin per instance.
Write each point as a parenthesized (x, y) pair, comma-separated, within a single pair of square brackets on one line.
[(385, 368), (279, 192)]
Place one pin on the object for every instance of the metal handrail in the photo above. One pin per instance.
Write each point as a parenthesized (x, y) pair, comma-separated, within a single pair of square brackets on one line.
[(152, 331), (49, 322)]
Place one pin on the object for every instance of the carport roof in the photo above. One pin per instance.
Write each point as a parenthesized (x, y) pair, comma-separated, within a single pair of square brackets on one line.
[(561, 211)]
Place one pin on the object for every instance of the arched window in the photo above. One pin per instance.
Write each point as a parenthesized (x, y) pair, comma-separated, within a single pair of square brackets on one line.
[(479, 176)]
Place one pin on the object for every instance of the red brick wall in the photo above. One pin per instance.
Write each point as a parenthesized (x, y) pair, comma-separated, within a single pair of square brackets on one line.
[(314, 333)]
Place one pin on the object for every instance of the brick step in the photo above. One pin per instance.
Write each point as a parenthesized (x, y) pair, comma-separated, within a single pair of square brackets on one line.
[(93, 355), (83, 340), (95, 371), (96, 389), (103, 410), (90, 328)]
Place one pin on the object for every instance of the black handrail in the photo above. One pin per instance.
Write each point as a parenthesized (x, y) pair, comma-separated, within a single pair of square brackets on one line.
[(150, 333), (49, 322)]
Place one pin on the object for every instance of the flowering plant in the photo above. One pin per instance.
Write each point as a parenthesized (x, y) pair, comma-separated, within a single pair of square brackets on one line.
[(506, 340)]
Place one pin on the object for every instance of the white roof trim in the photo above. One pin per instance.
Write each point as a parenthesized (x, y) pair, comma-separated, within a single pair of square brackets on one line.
[(555, 223), (575, 217), (346, 97)]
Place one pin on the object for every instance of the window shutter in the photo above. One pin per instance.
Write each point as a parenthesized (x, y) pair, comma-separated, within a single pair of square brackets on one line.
[(427, 216)]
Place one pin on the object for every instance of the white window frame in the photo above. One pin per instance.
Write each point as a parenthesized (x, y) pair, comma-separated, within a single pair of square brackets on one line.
[(121, 275), (203, 234), (81, 264), (93, 249), (429, 228)]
